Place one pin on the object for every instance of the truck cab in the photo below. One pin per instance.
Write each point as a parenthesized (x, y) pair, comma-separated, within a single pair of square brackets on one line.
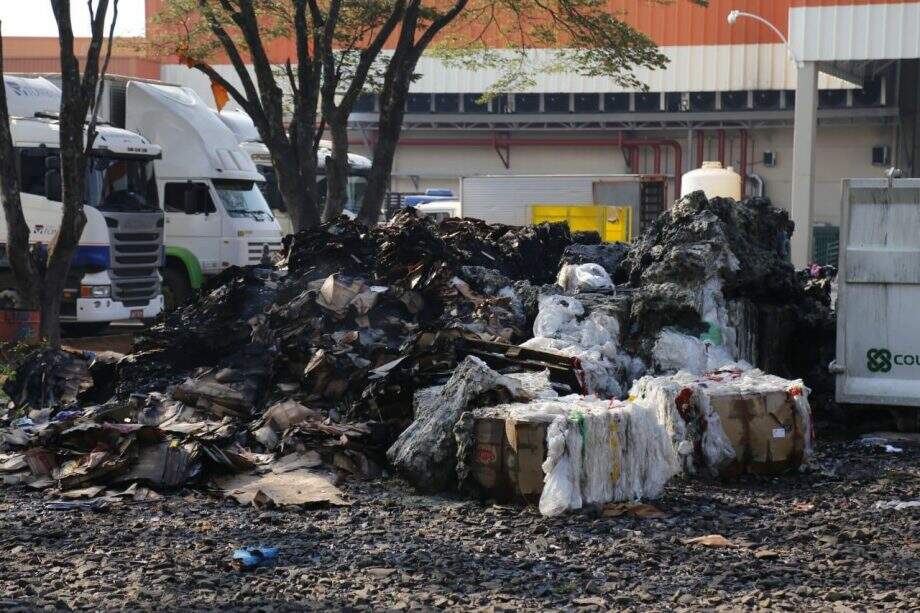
[(358, 166), (114, 273), (216, 214)]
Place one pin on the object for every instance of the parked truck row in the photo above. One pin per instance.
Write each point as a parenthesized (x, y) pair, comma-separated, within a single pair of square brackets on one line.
[(176, 192)]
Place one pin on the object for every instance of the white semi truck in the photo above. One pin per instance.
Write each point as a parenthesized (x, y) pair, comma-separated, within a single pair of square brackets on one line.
[(114, 273), (358, 166), (216, 215)]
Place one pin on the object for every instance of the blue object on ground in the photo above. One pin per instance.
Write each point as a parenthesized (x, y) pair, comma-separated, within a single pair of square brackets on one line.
[(250, 557)]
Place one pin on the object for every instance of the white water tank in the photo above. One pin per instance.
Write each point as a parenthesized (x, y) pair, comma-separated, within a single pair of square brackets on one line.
[(714, 180)]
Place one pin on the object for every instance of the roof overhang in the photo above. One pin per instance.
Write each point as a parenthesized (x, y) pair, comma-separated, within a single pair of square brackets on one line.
[(855, 42)]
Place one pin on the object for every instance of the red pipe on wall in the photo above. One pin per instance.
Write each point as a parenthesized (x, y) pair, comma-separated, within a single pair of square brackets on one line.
[(744, 160), (722, 147), (551, 142)]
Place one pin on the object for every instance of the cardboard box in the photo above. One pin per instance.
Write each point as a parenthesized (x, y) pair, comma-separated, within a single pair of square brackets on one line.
[(508, 457), (765, 430)]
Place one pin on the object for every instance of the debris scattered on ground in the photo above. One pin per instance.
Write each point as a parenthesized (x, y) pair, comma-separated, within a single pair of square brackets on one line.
[(710, 540), (363, 351), (897, 505)]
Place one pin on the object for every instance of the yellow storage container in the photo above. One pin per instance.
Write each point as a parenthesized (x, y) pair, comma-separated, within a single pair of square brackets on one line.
[(613, 223)]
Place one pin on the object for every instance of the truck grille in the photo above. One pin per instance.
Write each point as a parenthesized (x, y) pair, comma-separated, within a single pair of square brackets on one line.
[(135, 258), (257, 248)]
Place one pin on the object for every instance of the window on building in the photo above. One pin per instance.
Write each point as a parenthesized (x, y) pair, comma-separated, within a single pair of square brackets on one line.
[(647, 102), (471, 104), (447, 103), (704, 101), (616, 103), (418, 103), (526, 103), (556, 103), (366, 103), (587, 103), (766, 99)]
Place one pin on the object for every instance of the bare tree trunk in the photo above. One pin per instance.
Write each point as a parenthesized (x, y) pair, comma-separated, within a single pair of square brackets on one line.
[(384, 152), (337, 167), (294, 193), (17, 239)]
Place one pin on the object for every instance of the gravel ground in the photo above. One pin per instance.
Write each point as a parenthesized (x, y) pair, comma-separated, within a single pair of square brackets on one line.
[(808, 541)]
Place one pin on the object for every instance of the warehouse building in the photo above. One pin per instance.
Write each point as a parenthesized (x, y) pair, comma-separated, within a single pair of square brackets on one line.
[(732, 92)]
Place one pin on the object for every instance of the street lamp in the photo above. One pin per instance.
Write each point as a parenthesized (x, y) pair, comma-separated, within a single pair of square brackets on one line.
[(734, 15)]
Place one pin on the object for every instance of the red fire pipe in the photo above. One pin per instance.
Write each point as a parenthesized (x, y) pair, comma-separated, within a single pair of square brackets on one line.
[(550, 142), (700, 145), (657, 150), (744, 161)]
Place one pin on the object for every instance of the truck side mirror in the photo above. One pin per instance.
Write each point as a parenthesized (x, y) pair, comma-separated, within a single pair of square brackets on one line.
[(53, 190)]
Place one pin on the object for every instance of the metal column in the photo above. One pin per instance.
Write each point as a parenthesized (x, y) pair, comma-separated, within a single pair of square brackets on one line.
[(803, 161)]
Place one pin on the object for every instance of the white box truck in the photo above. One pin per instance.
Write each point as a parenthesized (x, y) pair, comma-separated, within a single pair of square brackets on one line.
[(114, 273), (510, 199), (878, 327)]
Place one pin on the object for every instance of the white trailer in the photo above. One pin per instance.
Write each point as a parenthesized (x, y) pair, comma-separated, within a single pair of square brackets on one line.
[(509, 198), (878, 327), (216, 215), (114, 273)]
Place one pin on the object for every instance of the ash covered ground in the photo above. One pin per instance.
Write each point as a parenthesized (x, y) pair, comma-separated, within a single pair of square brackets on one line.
[(809, 541)]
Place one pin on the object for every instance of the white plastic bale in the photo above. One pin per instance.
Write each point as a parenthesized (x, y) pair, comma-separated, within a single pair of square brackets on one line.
[(649, 460), (717, 449), (594, 340), (803, 410), (674, 352), (661, 393), (557, 315), (596, 484), (561, 485), (584, 278)]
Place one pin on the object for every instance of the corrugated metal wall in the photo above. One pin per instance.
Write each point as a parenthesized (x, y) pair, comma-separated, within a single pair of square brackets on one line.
[(870, 31)]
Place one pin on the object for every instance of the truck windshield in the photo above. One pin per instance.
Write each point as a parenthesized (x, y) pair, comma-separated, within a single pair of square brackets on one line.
[(242, 199), (357, 185), (114, 184)]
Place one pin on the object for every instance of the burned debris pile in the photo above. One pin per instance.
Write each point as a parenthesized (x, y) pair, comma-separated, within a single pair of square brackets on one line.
[(369, 350)]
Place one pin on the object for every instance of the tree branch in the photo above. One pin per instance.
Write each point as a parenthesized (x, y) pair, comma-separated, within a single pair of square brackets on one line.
[(100, 84)]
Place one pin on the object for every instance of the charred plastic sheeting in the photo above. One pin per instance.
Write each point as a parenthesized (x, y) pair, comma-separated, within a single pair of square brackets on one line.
[(49, 379), (425, 453), (608, 255), (718, 270)]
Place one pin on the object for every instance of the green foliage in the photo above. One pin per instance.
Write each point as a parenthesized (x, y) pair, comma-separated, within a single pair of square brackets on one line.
[(495, 35)]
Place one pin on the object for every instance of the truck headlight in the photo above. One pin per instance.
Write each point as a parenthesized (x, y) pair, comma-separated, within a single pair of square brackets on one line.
[(95, 291)]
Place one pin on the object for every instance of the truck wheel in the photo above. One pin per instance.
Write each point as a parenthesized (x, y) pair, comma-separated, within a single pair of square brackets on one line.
[(78, 329), (176, 288), (9, 299)]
